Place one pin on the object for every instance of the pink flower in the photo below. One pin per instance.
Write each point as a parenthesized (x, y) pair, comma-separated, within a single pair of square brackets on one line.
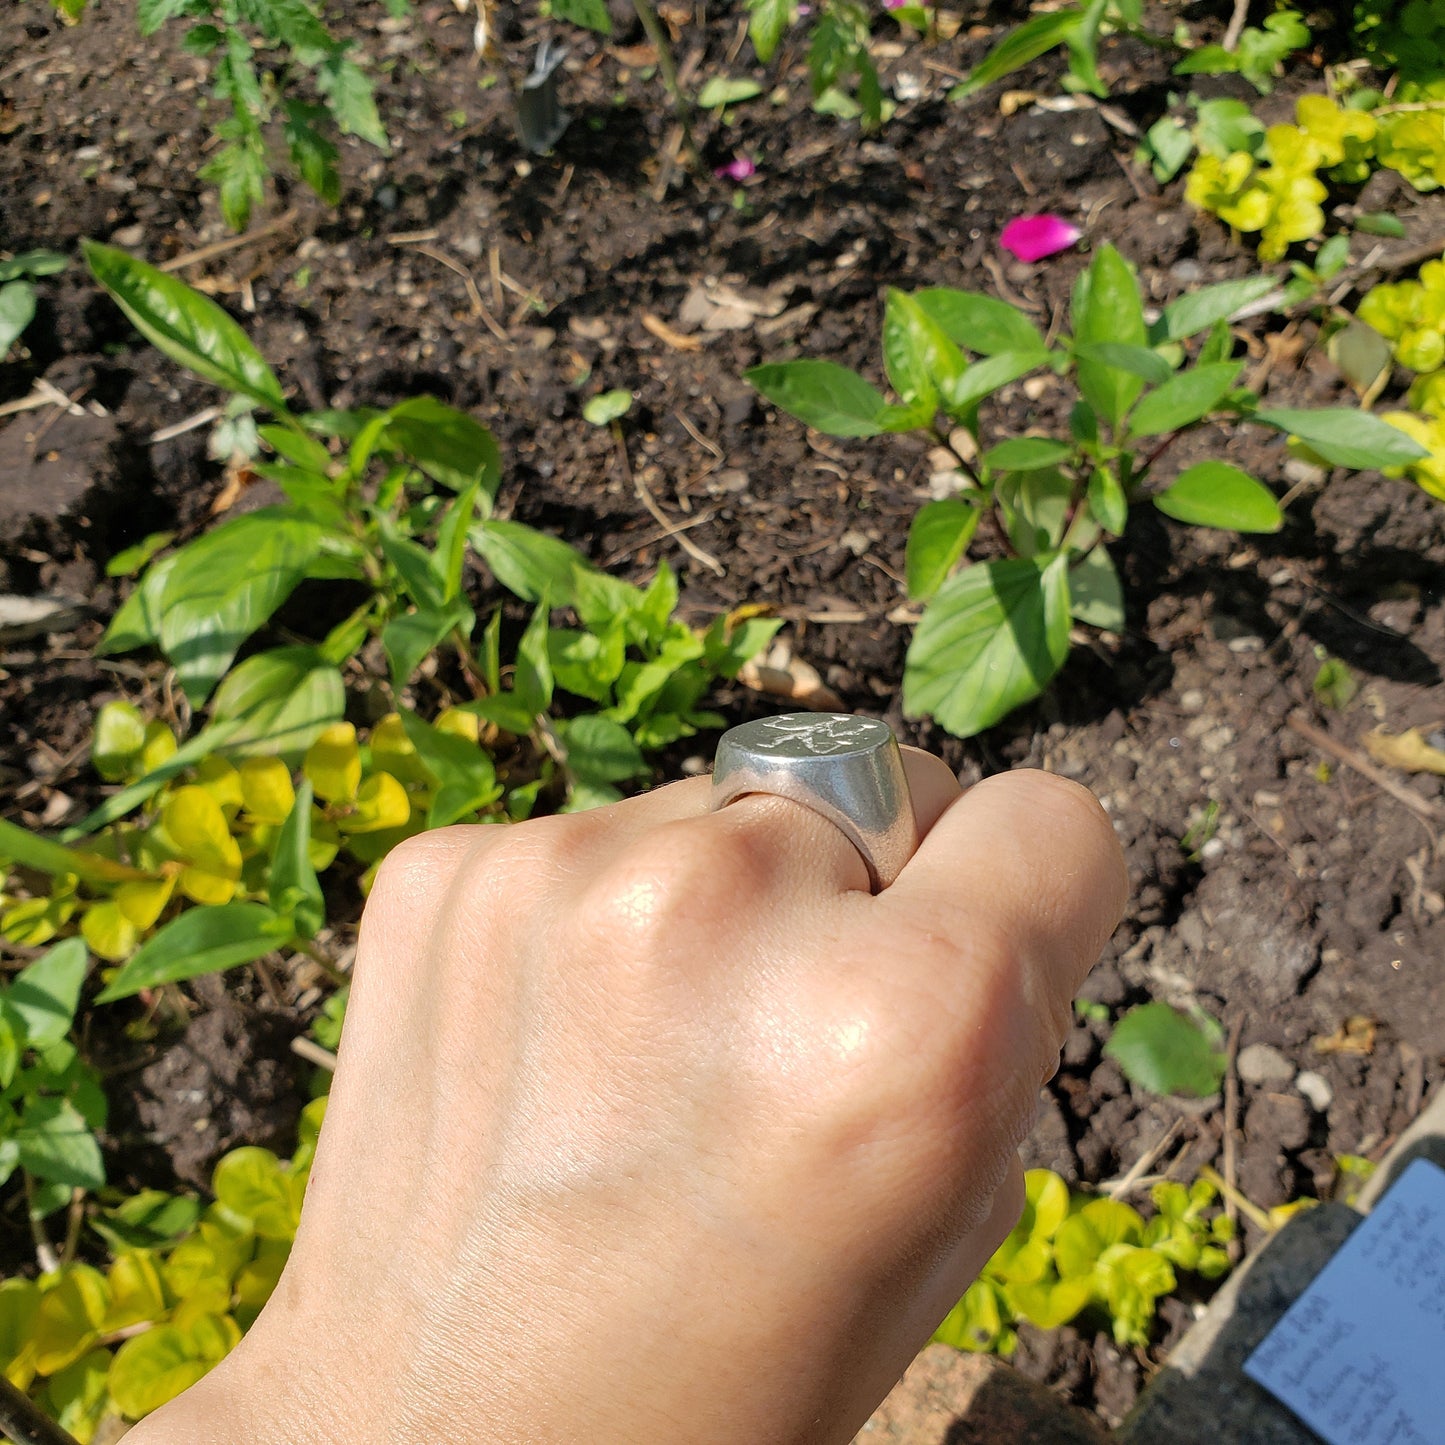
[(1031, 238), (737, 169), (896, 4)]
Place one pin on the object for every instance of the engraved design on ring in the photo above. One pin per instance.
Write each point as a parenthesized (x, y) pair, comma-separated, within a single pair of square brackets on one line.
[(847, 769)]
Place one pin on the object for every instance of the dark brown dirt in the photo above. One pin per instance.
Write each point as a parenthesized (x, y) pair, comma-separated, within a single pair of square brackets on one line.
[(1317, 898)]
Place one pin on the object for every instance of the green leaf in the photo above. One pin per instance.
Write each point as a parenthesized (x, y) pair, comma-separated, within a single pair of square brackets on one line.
[(828, 397), (920, 359), (1107, 502), (1107, 311), (56, 1144), (199, 941), (607, 407), (532, 684), (592, 14), (46, 993), (939, 536), (1346, 436), (293, 887), (450, 557), (238, 170), (599, 751), (1095, 594), (1025, 454), (276, 702), (30, 850), (529, 563), (1183, 399), (33, 263), (152, 14), (155, 1367), (978, 323), (1024, 43), (768, 20), (119, 736), (351, 99), (17, 311), (985, 377), (991, 639), (466, 777), (190, 328), (148, 1220), (129, 561), (447, 444), (723, 90), (1334, 683), (1227, 125), (312, 153), (1197, 311), (1380, 223), (1133, 361), (225, 585), (1215, 494), (410, 638), (1166, 1052)]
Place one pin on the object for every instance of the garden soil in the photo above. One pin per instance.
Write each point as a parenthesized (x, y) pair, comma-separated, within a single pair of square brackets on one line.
[(1274, 885)]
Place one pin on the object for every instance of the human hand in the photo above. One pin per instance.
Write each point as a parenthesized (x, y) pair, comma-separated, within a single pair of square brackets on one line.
[(652, 1124)]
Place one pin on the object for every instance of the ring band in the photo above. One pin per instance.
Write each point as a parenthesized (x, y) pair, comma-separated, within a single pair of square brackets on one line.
[(847, 769)]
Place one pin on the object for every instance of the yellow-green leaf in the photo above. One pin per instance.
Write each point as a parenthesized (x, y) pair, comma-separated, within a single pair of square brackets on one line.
[(136, 1292), (143, 903), (251, 1185), (381, 802), (267, 790), (69, 1319), (333, 764), (108, 932), (120, 734)]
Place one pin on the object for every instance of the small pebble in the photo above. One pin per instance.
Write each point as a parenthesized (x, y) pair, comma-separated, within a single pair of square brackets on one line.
[(1315, 1088), (1263, 1064)]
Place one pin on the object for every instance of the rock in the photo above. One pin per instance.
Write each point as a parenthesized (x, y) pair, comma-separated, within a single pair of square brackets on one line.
[(951, 1398), (1263, 1064), (1315, 1087)]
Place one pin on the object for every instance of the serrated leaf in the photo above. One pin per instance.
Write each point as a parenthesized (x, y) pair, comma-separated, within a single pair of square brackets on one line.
[(312, 153), (351, 99), (1215, 494), (1166, 1052), (991, 639), (823, 395), (238, 171), (190, 328)]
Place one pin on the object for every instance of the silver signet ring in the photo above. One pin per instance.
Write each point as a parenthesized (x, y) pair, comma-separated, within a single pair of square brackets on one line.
[(846, 768)]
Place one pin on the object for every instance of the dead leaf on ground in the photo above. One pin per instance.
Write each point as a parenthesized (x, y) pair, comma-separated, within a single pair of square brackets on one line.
[(239, 477), (1355, 1036), (1015, 100), (780, 674), (635, 57), (1407, 751), (714, 306), (675, 339)]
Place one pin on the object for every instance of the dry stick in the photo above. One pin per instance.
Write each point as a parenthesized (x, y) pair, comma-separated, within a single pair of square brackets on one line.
[(670, 528), (478, 305), (1142, 1164), (22, 1422), (313, 1053), (1352, 758), (1380, 263), (1236, 24), (219, 248), (1231, 1124), (180, 428)]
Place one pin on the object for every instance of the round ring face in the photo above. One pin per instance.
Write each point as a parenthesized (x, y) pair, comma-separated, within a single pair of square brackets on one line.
[(848, 769), (803, 735)]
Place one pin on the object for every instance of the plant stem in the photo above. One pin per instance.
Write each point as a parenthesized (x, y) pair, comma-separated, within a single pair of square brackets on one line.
[(20, 1419), (655, 33), (74, 1219), (45, 1255)]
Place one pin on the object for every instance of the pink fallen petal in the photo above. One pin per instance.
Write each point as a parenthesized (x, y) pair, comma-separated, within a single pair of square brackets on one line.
[(1031, 238), (737, 169)]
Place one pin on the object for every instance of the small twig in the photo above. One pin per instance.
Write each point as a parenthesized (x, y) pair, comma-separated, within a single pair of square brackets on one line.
[(231, 243), (1231, 1123), (74, 1219), (479, 307), (1236, 25), (1352, 758), (1378, 263), (670, 528), (21, 1420), (45, 1255), (657, 36), (1145, 1161), (1247, 1206), (313, 1053), (180, 428)]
